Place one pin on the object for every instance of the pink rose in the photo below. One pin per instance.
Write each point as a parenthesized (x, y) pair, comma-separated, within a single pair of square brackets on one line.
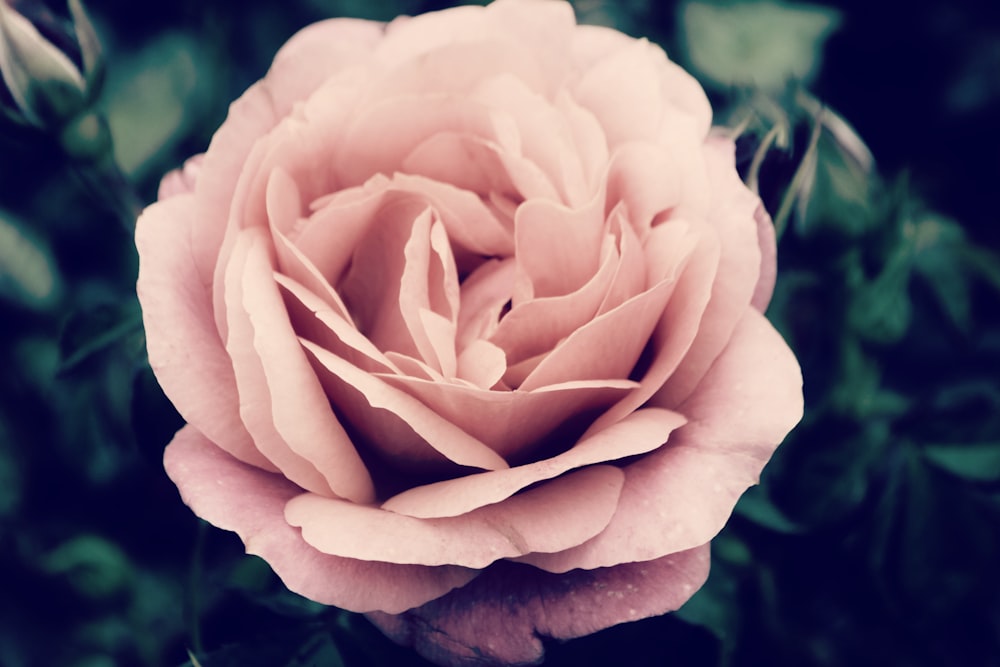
[(464, 315)]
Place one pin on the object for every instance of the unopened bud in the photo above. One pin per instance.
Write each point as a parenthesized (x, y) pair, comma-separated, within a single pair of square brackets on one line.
[(44, 85)]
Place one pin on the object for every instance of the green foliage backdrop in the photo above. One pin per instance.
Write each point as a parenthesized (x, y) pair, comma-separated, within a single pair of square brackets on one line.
[(874, 537)]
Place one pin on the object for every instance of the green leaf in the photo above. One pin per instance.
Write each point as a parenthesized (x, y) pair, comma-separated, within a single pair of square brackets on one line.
[(87, 333), (96, 567), (978, 462), (763, 44), (28, 273), (153, 96), (758, 508)]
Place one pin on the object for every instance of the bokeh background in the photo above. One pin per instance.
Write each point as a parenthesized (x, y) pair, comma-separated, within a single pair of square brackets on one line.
[(874, 538)]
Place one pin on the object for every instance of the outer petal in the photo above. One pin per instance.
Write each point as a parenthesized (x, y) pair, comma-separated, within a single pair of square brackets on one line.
[(499, 619), (681, 495), (250, 502), (560, 514), (184, 348), (737, 276)]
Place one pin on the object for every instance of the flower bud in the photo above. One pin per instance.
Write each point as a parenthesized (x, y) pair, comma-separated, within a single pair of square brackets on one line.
[(51, 67)]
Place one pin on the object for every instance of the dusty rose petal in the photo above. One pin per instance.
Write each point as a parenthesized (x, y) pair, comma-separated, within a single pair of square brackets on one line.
[(184, 349), (511, 423), (181, 181), (536, 326), (681, 495), (237, 497), (550, 518), (499, 619), (558, 248), (255, 396), (299, 407), (768, 259), (394, 419), (678, 324), (608, 346), (640, 432)]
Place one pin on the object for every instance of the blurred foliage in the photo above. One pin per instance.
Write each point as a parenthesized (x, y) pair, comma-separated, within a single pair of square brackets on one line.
[(874, 537)]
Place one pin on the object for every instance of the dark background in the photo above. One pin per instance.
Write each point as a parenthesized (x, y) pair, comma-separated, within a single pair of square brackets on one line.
[(874, 538)]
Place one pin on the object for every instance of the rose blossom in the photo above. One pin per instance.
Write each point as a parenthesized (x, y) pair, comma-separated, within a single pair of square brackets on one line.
[(464, 315)]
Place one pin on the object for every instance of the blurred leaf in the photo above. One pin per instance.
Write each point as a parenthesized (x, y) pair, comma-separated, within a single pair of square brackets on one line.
[(858, 392), (764, 44), (755, 506), (306, 647), (86, 333), (96, 567), (978, 462), (10, 475), (880, 310), (28, 274), (153, 96), (715, 606), (839, 193)]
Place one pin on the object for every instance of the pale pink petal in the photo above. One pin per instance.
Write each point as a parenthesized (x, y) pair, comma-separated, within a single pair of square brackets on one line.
[(376, 142), (330, 235), (693, 255), (256, 406), (623, 92), (739, 269), (639, 433), (181, 181), (184, 348), (299, 407), (316, 321), (317, 52), (472, 227), (395, 422), (653, 183), (514, 424), (483, 295), (546, 137), (681, 495), (548, 518), (430, 280), (478, 165), (608, 346), (630, 270), (482, 363), (558, 248), (234, 496), (541, 30), (373, 284), (250, 117), (534, 327), (588, 138), (768, 260), (500, 619)]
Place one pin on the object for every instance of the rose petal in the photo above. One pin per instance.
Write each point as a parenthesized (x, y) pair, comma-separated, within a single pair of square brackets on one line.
[(255, 395), (558, 248), (640, 432), (394, 421), (250, 502), (737, 276), (678, 324), (609, 345), (768, 259), (681, 495), (513, 423), (184, 349), (299, 407), (536, 326), (499, 619), (548, 518)]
